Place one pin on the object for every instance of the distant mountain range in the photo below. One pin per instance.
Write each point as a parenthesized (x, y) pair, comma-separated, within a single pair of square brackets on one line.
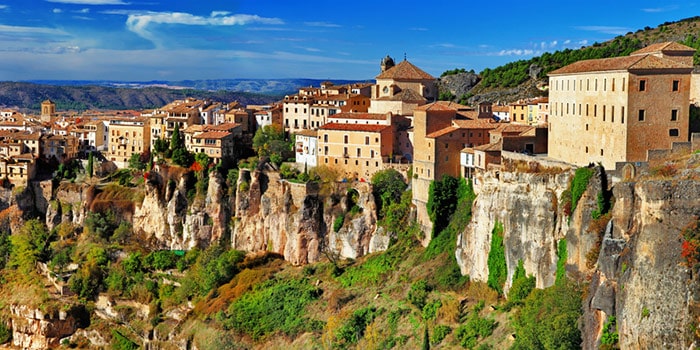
[(80, 95)]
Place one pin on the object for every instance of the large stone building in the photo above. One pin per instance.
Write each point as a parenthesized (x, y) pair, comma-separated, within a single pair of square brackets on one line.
[(440, 131), (127, 136), (401, 88), (616, 109)]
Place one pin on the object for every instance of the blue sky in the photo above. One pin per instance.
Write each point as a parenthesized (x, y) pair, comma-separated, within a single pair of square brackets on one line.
[(175, 39)]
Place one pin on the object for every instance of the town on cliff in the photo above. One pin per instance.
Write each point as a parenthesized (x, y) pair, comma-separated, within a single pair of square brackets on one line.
[(321, 176)]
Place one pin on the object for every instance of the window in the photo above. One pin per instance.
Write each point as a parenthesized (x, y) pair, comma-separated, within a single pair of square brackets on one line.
[(603, 112), (642, 85), (641, 115), (325, 150), (366, 140), (676, 85), (345, 138), (586, 127), (623, 84), (586, 149), (595, 110), (359, 152), (586, 109), (673, 132), (674, 115), (601, 151), (623, 114)]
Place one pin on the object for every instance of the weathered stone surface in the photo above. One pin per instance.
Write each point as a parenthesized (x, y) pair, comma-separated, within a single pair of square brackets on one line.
[(35, 329)]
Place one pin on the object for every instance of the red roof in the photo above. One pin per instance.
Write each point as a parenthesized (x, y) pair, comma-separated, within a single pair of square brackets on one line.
[(637, 62), (352, 115), (671, 46), (354, 127), (212, 135), (405, 71)]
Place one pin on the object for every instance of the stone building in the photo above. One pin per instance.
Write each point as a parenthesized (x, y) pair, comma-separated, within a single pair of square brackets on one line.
[(401, 88), (616, 109)]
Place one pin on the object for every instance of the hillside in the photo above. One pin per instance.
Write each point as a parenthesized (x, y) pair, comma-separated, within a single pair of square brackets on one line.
[(520, 79), (28, 96)]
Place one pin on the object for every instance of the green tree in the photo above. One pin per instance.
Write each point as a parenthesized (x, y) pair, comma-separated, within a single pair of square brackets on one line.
[(522, 284), (497, 260), (90, 164), (387, 186), (182, 157), (161, 145), (29, 245), (442, 201), (176, 141), (270, 141), (135, 162)]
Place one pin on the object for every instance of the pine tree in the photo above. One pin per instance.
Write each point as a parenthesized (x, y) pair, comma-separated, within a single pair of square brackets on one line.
[(176, 140), (90, 164)]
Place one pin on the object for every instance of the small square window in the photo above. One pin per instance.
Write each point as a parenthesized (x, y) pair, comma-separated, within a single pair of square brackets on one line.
[(673, 132), (641, 115), (676, 85), (674, 114), (642, 85)]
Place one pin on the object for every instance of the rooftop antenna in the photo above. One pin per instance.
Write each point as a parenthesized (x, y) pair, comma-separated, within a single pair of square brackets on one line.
[(404, 56)]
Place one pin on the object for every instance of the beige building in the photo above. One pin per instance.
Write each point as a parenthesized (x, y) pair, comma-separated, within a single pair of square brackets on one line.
[(616, 109), (357, 150), (61, 147), (440, 131), (401, 88), (127, 136)]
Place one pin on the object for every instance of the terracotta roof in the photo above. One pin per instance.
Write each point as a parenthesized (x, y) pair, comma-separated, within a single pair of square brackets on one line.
[(439, 106), (664, 47), (512, 128), (498, 146), (194, 128), (308, 133), (404, 71), (637, 62), (441, 132), (407, 95), (354, 127), (483, 123), (351, 115), (212, 135), (222, 127), (500, 109)]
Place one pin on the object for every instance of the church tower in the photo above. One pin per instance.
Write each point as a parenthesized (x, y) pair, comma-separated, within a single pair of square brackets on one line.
[(387, 62), (48, 108)]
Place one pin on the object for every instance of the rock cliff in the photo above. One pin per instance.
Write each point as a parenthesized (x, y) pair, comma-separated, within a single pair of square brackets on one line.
[(36, 329), (296, 220)]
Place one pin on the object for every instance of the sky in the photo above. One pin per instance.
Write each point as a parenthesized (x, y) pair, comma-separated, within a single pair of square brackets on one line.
[(143, 40)]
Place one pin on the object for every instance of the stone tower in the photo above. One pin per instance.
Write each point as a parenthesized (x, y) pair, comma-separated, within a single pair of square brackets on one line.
[(387, 62), (48, 108)]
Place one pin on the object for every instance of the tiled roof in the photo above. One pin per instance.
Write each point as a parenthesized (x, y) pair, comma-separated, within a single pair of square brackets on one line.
[(351, 115), (404, 71), (212, 135), (483, 123), (664, 47), (407, 95), (222, 127), (512, 128), (354, 127), (439, 106), (498, 146), (308, 133), (500, 109), (638, 62), (441, 132)]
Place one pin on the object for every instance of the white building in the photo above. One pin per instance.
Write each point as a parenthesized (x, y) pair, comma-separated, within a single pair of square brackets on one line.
[(305, 147)]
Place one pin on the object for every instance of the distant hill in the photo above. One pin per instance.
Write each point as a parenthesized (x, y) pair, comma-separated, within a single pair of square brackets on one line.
[(521, 78), (28, 96), (275, 87)]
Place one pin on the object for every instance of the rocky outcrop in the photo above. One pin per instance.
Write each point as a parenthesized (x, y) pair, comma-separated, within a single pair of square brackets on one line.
[(641, 277), (36, 329), (296, 220), (166, 217), (458, 84)]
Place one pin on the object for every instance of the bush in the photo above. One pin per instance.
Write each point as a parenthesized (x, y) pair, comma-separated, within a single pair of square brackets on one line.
[(522, 285), (610, 337), (442, 201), (579, 185), (354, 329), (562, 256), (120, 342), (497, 260), (5, 333), (338, 223), (387, 187), (476, 328), (418, 294), (273, 306), (439, 333), (549, 318)]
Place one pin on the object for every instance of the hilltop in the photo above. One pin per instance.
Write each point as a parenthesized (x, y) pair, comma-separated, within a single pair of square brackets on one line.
[(528, 78)]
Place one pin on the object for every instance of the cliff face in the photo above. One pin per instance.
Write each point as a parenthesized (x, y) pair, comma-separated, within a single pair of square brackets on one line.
[(35, 329), (642, 278), (295, 220), (527, 204)]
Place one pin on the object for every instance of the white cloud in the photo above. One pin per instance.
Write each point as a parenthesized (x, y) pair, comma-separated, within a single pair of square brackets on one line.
[(515, 52), (419, 29), (322, 24), (85, 10), (29, 30), (139, 22), (583, 42), (219, 13), (605, 29), (312, 49), (90, 2), (567, 42), (57, 11), (3, 7), (660, 9)]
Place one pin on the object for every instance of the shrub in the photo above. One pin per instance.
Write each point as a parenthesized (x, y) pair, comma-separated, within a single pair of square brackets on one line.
[(610, 337), (497, 260), (338, 223), (120, 342), (549, 318), (5, 333), (387, 188), (579, 185), (522, 285), (430, 310), (476, 328), (442, 201), (354, 328), (418, 294), (439, 333), (562, 256)]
